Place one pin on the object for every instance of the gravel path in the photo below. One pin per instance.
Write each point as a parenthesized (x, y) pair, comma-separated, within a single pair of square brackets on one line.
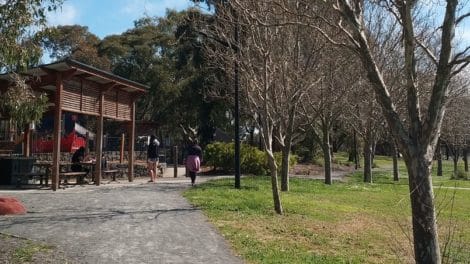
[(120, 223)]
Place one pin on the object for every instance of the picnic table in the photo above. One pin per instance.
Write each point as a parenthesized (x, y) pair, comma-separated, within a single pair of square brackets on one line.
[(64, 171)]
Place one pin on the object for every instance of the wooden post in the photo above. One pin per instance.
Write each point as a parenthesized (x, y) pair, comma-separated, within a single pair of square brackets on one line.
[(175, 161), (57, 126), (131, 143), (99, 141), (27, 142), (87, 142), (121, 154)]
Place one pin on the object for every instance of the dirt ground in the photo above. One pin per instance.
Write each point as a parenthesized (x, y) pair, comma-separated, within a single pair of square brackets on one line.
[(315, 170), (16, 250)]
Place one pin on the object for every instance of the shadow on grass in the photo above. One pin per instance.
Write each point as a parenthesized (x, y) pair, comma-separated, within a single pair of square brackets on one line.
[(225, 184)]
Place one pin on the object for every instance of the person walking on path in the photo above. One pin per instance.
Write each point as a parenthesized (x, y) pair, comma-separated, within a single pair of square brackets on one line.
[(193, 160), (152, 158)]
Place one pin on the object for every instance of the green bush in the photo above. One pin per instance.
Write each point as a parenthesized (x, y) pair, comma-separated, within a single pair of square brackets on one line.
[(278, 157), (219, 155), (252, 160)]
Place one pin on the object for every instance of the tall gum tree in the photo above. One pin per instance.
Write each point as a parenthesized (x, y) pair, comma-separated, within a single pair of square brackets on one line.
[(417, 136), (19, 20)]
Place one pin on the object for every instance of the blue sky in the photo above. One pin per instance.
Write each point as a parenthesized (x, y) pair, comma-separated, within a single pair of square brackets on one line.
[(107, 17)]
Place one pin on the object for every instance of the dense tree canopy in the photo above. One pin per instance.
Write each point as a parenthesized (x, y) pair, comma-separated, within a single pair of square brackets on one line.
[(18, 19), (75, 42), (18, 49), (166, 54)]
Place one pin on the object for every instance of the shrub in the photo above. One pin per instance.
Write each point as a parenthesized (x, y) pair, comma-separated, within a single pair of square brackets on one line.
[(219, 155), (278, 157), (252, 160)]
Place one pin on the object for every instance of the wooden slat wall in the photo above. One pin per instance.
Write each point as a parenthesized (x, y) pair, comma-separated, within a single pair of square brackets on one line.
[(110, 104), (82, 96), (72, 93), (124, 105), (91, 93)]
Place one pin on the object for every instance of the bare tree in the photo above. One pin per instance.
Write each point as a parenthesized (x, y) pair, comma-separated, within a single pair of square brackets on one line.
[(418, 135), (256, 58), (299, 54), (325, 102), (276, 63), (363, 115), (455, 129)]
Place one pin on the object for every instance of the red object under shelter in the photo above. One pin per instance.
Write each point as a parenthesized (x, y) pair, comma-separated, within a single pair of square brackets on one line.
[(69, 143)]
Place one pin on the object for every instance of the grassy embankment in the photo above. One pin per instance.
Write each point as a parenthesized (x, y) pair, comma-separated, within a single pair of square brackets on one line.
[(348, 222)]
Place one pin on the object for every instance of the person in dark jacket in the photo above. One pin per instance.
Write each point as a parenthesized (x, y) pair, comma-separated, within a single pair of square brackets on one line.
[(152, 158), (77, 158), (193, 160)]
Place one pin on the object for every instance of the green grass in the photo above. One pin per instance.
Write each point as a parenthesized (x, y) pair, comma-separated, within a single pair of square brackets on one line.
[(349, 222), (25, 253)]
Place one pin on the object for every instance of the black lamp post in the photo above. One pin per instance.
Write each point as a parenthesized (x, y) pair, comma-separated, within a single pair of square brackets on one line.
[(237, 106)]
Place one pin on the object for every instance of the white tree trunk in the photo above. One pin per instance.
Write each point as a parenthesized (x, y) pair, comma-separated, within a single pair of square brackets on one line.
[(426, 242), (274, 185)]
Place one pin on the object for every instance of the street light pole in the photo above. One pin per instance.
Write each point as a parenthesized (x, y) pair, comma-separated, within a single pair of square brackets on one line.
[(237, 106)]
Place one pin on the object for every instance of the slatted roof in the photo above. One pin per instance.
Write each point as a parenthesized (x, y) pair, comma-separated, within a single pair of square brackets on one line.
[(41, 75)]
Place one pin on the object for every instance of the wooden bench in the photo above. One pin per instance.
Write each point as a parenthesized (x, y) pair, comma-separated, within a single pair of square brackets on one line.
[(80, 175), (23, 178), (112, 172)]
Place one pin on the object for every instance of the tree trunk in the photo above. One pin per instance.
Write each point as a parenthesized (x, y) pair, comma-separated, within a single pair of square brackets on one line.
[(367, 162), (425, 236), (274, 186), (352, 149), (357, 163), (351, 155), (286, 151), (396, 174), (285, 169), (465, 159), (373, 147), (326, 155), (447, 152), (455, 159), (439, 158)]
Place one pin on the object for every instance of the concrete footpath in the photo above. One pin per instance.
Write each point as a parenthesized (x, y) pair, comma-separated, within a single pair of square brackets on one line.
[(122, 222)]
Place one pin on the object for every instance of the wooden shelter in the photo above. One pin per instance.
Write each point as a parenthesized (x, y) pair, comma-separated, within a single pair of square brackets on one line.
[(79, 88)]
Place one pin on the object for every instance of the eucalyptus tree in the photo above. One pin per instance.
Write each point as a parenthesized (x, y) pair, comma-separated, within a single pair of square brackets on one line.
[(167, 54), (73, 41), (417, 137), (19, 20)]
